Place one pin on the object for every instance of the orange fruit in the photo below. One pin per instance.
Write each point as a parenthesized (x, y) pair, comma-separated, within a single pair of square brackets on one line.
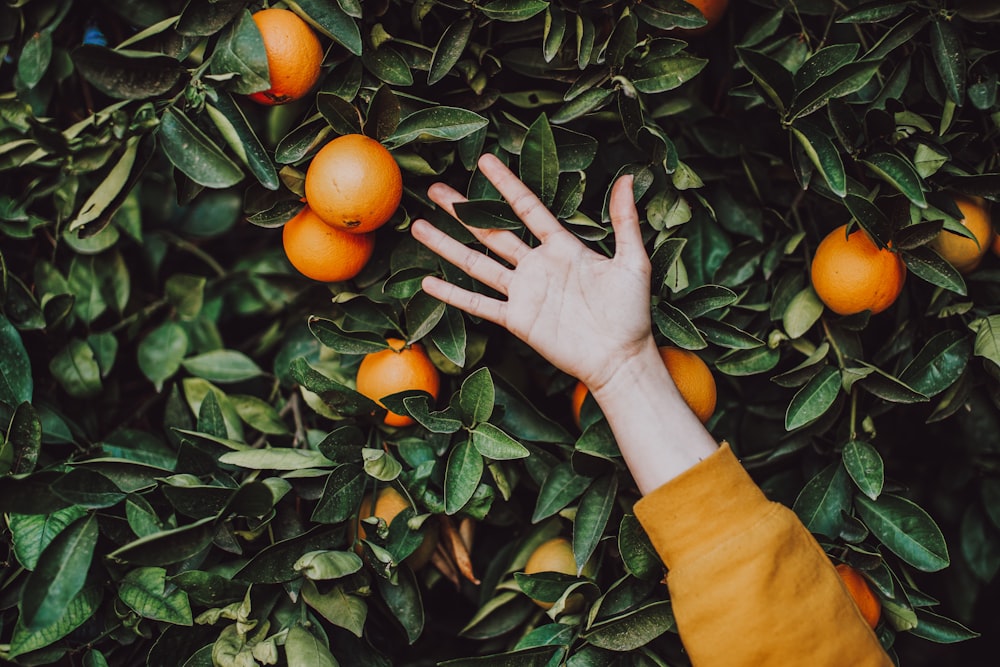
[(399, 368), (861, 592), (388, 504), (354, 183), (712, 10), (962, 252), (690, 374), (576, 401), (851, 274), (556, 555), (322, 252), (693, 379), (294, 56)]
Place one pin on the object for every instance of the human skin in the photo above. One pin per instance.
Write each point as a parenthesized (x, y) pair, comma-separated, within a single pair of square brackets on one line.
[(585, 313)]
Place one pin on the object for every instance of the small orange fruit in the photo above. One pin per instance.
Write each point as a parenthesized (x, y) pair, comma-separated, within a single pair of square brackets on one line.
[(962, 252), (556, 555), (322, 252), (692, 377), (851, 274), (294, 56), (354, 183), (399, 368), (576, 401), (861, 592), (388, 504)]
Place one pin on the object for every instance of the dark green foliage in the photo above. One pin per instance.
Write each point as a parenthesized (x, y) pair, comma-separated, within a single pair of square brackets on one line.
[(183, 449)]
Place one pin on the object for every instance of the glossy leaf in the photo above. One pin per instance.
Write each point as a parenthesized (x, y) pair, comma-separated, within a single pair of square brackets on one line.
[(864, 465), (906, 529), (194, 153), (59, 575)]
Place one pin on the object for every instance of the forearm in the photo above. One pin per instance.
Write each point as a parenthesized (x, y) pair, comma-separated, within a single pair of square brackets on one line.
[(657, 433)]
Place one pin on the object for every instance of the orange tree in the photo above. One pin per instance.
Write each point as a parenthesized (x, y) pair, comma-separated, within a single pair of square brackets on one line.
[(184, 452)]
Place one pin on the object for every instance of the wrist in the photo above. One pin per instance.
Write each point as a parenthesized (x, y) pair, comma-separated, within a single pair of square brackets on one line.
[(639, 370)]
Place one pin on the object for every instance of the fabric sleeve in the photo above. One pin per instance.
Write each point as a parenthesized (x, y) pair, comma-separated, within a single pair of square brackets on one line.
[(750, 586)]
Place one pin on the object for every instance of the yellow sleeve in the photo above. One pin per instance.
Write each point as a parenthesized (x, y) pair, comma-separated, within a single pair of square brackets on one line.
[(750, 586)]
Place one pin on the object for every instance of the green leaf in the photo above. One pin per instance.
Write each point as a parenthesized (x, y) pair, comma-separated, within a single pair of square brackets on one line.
[(927, 264), (803, 311), (76, 369), (669, 14), (16, 384), (303, 648), (338, 606), (900, 174), (987, 345), (770, 75), (949, 59), (403, 598), (814, 399), (592, 516), (844, 81), (561, 486), (203, 19), (436, 123), (449, 49), (59, 575), (240, 51), (906, 529), (539, 163), (824, 62), (874, 12), (276, 458), (726, 335), (662, 74), (78, 610), (169, 546), (388, 65), (494, 444), (331, 19), (161, 352), (865, 467), (823, 153), (144, 590), (638, 554), (676, 326), (822, 499), (936, 628), (870, 217), (341, 494), (477, 396), (110, 194), (330, 334), (342, 116), (325, 565), (222, 366), (35, 57), (191, 151), (488, 214), (939, 363), (465, 469), (539, 656), (236, 129), (512, 11), (336, 396), (380, 464), (127, 75), (22, 443), (31, 533), (632, 630), (748, 362)]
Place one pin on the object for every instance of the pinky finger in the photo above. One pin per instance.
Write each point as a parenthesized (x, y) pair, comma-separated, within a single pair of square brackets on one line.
[(471, 302)]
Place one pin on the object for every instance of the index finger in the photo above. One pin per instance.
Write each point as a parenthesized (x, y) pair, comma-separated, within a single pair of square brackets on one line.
[(526, 205)]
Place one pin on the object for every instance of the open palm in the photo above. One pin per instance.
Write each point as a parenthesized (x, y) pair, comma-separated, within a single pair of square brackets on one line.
[(584, 312)]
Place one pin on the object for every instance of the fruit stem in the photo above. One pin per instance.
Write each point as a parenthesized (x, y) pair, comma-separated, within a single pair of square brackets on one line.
[(183, 244), (833, 343), (854, 413)]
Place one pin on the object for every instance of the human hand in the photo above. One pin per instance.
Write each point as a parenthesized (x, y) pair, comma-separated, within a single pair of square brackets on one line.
[(585, 313)]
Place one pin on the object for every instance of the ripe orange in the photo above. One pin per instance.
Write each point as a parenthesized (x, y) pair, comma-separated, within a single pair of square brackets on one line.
[(354, 183), (556, 555), (862, 594), (690, 374), (399, 368), (712, 10), (851, 274), (693, 379), (294, 56), (576, 401), (961, 252), (388, 504), (322, 252)]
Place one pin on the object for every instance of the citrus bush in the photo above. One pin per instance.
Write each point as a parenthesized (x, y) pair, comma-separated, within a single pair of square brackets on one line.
[(186, 448)]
